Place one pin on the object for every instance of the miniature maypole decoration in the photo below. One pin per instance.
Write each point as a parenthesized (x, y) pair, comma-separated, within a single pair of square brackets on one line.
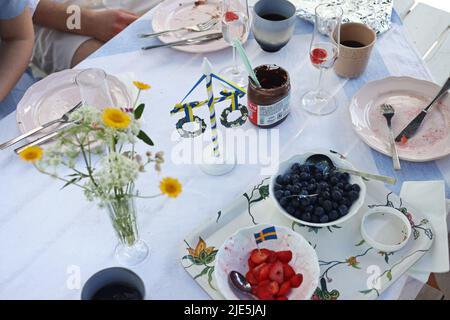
[(188, 109)]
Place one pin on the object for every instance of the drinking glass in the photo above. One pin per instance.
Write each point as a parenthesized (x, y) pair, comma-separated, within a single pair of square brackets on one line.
[(94, 88), (235, 26), (323, 53)]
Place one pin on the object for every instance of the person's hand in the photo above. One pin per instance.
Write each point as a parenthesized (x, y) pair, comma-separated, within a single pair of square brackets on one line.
[(105, 24)]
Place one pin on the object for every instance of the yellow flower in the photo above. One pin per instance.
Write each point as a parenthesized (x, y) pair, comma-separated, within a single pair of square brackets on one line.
[(141, 85), (170, 187), (201, 247), (116, 118), (32, 154)]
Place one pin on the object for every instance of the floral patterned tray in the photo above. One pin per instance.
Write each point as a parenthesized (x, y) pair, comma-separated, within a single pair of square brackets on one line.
[(350, 269)]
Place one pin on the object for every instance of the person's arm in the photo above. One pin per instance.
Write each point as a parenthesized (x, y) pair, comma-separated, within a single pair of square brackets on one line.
[(99, 24), (16, 47)]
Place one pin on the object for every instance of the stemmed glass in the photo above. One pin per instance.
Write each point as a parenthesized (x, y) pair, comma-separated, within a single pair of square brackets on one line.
[(235, 24), (323, 52)]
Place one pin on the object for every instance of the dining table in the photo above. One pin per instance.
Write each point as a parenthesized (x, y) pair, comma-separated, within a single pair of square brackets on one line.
[(52, 240)]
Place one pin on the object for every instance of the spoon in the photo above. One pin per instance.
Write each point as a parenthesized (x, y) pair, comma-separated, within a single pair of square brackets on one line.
[(241, 286), (324, 163)]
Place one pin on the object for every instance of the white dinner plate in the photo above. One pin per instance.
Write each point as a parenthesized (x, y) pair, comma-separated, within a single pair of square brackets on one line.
[(408, 96), (51, 97), (172, 14)]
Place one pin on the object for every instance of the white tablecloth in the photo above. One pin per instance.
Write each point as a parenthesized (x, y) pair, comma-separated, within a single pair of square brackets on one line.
[(48, 235)]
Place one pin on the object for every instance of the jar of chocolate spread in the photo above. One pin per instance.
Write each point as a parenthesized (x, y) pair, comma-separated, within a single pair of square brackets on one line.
[(269, 105)]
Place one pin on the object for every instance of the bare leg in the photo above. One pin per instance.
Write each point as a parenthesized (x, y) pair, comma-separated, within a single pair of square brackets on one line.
[(84, 50)]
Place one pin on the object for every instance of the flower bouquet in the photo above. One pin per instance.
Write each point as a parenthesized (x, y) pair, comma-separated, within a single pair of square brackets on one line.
[(99, 153)]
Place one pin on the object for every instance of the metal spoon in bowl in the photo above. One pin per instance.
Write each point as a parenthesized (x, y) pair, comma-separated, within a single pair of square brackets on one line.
[(240, 286), (324, 163)]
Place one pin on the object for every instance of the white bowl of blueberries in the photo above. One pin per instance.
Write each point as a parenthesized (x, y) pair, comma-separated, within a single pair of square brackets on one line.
[(314, 195)]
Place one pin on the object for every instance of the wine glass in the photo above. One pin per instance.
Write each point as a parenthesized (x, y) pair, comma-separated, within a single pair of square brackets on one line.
[(323, 52), (235, 26)]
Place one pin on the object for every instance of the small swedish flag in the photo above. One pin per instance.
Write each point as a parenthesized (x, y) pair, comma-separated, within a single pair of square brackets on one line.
[(266, 234)]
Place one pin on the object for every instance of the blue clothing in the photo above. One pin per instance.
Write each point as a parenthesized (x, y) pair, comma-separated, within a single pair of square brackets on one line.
[(11, 8)]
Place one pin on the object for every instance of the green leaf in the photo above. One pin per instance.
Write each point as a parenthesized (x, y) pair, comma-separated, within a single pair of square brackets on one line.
[(360, 243), (70, 182), (366, 291), (210, 277), (144, 137), (138, 111), (389, 275), (204, 271)]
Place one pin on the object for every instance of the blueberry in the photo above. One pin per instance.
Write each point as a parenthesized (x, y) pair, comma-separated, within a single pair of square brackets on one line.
[(318, 176), (340, 185), (306, 217), (277, 186), (353, 195), (304, 168), (284, 202), (305, 176), (327, 205), (336, 195), (295, 202), (315, 218), (279, 194), (290, 210), (335, 205), (356, 187), (309, 209), (296, 189), (304, 202), (295, 167), (345, 177), (348, 187), (326, 195), (334, 181), (287, 193), (324, 219), (312, 181), (279, 179), (311, 187), (333, 215), (319, 211), (304, 184), (287, 178), (313, 200), (343, 210)]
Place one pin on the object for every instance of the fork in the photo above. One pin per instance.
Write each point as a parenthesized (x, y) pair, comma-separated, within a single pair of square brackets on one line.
[(63, 119), (203, 26), (388, 113)]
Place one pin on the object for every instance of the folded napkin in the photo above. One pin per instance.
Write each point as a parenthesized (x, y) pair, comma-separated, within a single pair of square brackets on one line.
[(429, 198)]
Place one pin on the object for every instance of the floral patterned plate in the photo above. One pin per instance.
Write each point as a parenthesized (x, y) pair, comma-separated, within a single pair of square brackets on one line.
[(349, 268)]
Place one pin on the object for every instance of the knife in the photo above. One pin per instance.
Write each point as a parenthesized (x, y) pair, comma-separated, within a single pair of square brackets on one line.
[(412, 127), (45, 138), (195, 40)]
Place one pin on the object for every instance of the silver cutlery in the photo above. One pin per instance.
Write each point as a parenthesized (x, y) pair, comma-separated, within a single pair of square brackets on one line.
[(183, 42), (415, 124), (204, 26), (46, 137), (63, 119), (388, 113)]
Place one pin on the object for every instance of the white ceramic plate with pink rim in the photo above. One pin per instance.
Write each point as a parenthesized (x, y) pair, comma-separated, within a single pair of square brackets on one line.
[(51, 97), (234, 254), (408, 96), (172, 14)]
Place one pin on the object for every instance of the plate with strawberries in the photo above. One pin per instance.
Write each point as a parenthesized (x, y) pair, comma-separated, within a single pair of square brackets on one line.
[(278, 263)]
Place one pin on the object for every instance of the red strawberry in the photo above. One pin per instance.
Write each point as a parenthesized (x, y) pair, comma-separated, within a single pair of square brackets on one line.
[(263, 291), (272, 257), (284, 256), (251, 264), (273, 288), (251, 278), (259, 256), (288, 271), (276, 272), (264, 272), (281, 298), (285, 288), (296, 280), (231, 16), (256, 270)]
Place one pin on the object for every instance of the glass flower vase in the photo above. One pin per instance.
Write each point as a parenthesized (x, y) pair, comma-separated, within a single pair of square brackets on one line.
[(131, 250)]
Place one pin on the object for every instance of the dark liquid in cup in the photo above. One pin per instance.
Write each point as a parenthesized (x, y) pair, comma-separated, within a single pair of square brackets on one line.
[(117, 291), (273, 17), (352, 44)]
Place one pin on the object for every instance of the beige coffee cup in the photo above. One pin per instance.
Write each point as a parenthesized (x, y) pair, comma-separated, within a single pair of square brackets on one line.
[(352, 61)]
